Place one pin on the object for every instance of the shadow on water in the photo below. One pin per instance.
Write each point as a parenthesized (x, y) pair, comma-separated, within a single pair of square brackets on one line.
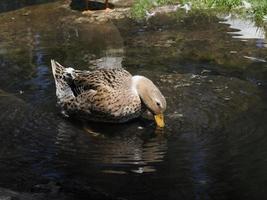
[(214, 143)]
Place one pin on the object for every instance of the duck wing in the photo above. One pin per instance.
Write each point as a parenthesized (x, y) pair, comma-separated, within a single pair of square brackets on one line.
[(100, 92), (109, 79), (103, 92)]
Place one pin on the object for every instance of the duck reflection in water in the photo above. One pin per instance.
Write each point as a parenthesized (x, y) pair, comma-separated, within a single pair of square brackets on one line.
[(118, 149)]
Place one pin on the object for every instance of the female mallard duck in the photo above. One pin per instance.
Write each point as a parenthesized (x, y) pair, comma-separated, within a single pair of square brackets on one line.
[(108, 95)]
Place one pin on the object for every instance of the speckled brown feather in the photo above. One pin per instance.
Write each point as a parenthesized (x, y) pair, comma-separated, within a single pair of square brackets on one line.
[(99, 95)]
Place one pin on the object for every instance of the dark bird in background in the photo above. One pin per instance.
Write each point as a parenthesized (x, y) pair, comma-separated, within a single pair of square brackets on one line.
[(106, 4)]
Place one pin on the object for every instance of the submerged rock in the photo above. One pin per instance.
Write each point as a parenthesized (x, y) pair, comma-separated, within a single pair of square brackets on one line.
[(12, 111), (71, 192), (6, 194)]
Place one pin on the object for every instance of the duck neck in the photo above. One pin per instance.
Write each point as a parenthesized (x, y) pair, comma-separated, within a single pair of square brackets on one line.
[(142, 86), (137, 85)]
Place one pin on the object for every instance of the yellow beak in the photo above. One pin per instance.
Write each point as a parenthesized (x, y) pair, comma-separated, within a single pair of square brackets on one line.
[(159, 118)]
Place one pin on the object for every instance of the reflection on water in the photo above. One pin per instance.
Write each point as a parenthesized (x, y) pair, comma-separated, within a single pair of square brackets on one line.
[(112, 58), (245, 29), (214, 143), (127, 150)]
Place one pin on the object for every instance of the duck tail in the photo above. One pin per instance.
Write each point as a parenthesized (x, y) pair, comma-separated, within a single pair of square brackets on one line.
[(62, 76)]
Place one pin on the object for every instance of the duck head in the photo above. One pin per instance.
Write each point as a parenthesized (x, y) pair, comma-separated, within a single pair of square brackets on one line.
[(151, 97)]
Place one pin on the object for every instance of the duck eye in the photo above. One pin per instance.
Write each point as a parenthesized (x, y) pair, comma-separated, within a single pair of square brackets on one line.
[(158, 103)]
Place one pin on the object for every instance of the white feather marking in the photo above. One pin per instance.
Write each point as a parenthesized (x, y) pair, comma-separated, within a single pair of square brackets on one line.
[(69, 70)]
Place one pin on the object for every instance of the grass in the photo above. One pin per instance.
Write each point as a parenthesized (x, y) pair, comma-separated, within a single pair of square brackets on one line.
[(141, 6), (258, 9)]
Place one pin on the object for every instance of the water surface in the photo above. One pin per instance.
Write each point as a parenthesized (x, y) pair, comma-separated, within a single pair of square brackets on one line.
[(213, 77)]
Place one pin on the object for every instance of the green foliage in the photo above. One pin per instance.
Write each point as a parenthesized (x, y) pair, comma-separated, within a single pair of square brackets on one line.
[(258, 8), (141, 6)]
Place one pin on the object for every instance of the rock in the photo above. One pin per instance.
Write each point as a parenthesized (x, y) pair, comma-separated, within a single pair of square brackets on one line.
[(6, 194)]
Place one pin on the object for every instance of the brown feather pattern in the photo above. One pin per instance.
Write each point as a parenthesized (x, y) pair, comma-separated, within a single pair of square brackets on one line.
[(99, 95)]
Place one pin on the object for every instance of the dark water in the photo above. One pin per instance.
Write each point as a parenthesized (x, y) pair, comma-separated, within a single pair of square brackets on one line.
[(214, 79), (7, 5)]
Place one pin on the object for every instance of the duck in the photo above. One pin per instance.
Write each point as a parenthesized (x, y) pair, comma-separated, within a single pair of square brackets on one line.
[(106, 94)]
